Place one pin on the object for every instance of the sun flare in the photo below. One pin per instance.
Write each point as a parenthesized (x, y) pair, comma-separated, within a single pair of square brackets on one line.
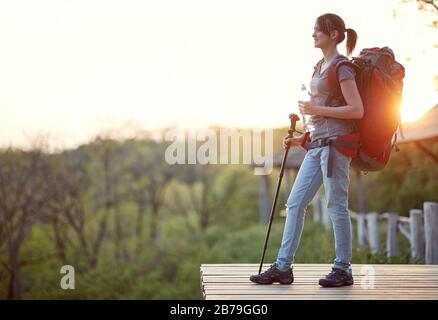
[(416, 102)]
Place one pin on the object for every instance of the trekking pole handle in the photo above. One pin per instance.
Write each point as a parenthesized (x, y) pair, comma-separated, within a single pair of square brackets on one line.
[(293, 122)]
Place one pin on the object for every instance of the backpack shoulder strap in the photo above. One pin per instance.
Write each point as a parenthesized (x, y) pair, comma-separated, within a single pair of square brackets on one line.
[(333, 80)]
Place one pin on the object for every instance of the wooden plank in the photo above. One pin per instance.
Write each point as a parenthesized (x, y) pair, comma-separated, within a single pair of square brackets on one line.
[(279, 297), (328, 267), (319, 290), (260, 289), (313, 281), (355, 270), (389, 271), (402, 278), (300, 284), (388, 268), (356, 278), (299, 289), (319, 272), (401, 268), (319, 265), (328, 294)]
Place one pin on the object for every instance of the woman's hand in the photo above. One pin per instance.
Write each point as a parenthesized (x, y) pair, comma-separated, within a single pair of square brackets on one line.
[(352, 110), (290, 142), (308, 107)]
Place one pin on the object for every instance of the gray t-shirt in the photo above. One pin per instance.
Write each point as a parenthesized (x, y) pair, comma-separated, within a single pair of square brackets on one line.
[(323, 127)]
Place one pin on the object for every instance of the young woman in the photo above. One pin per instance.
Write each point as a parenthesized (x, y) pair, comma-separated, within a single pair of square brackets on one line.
[(325, 122)]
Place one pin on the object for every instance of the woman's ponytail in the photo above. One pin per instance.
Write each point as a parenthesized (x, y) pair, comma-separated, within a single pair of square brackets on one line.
[(351, 40)]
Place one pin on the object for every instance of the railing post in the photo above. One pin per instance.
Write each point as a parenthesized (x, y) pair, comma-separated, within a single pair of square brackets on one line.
[(416, 235), (431, 231), (360, 192), (391, 240), (287, 184), (327, 222), (373, 231), (264, 199), (361, 225), (316, 208)]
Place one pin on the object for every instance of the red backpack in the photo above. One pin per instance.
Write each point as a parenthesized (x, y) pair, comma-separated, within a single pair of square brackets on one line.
[(379, 78)]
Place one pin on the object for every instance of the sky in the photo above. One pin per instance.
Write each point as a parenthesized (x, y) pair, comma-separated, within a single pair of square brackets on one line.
[(73, 69)]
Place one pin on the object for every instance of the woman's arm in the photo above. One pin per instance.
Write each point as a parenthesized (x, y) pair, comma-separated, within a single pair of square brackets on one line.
[(293, 142), (352, 110)]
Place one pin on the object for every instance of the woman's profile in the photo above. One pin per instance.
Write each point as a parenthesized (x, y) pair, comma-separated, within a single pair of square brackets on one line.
[(330, 117)]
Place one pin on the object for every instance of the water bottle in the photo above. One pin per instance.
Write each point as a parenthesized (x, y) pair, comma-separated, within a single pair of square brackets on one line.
[(304, 96)]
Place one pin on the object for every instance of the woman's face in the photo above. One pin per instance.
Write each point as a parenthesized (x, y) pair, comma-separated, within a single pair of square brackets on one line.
[(322, 40)]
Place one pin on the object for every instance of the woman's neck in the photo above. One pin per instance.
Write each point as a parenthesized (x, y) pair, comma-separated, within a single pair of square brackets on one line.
[(329, 53)]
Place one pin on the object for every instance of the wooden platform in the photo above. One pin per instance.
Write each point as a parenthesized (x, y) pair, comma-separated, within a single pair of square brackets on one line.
[(231, 282)]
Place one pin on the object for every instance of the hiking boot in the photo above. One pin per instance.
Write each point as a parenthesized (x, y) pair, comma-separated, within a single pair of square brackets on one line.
[(273, 275), (337, 278)]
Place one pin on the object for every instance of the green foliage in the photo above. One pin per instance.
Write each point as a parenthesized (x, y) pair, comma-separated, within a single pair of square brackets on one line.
[(206, 214), (410, 179)]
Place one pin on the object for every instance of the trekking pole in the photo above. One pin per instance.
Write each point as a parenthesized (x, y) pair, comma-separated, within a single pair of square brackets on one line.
[(293, 121)]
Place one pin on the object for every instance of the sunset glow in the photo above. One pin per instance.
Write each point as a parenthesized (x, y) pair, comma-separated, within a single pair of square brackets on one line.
[(75, 68)]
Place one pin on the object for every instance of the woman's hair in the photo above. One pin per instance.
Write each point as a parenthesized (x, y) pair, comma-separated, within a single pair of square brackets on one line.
[(329, 22)]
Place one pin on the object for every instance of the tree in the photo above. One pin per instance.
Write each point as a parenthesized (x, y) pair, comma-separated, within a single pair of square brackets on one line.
[(147, 179), (105, 177), (211, 196), (427, 6), (23, 193), (68, 185), (428, 3)]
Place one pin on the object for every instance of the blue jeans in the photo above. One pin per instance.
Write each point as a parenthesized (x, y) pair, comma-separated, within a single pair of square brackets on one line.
[(312, 173)]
